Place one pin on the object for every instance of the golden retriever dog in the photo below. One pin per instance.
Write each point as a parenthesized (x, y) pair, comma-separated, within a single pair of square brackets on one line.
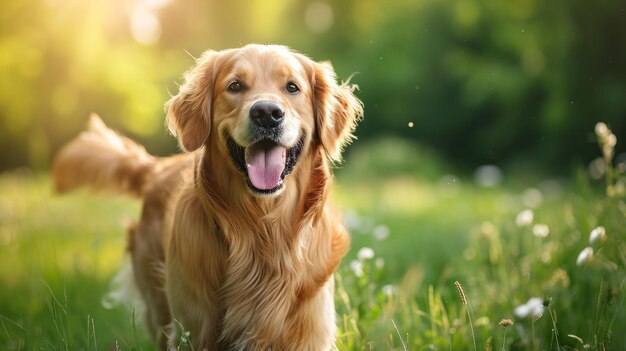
[(238, 240)]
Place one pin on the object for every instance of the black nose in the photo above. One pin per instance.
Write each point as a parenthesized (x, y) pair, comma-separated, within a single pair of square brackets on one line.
[(267, 114)]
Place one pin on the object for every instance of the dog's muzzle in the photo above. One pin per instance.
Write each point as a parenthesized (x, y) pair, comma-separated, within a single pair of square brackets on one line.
[(266, 161)]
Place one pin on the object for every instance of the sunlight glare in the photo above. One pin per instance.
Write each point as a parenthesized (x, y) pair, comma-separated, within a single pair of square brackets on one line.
[(145, 26), (154, 4)]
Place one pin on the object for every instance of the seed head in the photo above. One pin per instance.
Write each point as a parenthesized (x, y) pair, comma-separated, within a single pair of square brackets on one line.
[(506, 323), (578, 338), (365, 253), (546, 301), (459, 289)]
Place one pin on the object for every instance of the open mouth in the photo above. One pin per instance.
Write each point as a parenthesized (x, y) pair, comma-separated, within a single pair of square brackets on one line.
[(264, 163)]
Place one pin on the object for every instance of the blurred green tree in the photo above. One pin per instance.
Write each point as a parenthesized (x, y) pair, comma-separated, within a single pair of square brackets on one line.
[(481, 81)]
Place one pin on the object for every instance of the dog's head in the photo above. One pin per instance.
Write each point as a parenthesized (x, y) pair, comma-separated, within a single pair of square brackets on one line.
[(263, 107)]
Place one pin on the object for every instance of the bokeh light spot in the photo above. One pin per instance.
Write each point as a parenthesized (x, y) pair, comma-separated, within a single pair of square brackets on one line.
[(319, 17), (488, 176), (145, 26)]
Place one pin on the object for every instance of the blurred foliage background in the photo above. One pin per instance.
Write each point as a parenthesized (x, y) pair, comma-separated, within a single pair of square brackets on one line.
[(509, 88), (482, 82)]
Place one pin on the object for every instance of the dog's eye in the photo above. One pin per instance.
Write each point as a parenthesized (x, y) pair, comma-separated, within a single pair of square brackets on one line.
[(235, 86), (292, 88)]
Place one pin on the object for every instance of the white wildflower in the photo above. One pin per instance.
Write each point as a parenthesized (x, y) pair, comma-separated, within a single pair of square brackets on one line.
[(541, 230), (584, 256), (389, 289), (531, 309), (597, 234), (608, 146), (611, 140), (357, 268), (606, 139), (365, 253), (601, 129), (524, 218)]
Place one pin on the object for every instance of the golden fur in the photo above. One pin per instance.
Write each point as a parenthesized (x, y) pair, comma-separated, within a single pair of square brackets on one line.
[(239, 270)]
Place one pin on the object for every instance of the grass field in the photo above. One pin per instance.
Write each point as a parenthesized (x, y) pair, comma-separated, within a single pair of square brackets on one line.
[(416, 231)]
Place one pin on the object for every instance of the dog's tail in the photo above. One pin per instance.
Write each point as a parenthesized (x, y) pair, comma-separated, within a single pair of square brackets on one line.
[(103, 160)]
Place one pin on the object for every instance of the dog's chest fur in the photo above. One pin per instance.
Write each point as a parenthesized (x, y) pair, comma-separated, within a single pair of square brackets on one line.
[(268, 272), (260, 290)]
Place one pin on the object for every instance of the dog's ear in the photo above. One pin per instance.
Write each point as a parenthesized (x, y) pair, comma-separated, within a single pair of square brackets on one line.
[(189, 111), (337, 110)]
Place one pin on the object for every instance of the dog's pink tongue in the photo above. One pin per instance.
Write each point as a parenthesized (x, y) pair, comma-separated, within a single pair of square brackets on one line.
[(265, 162)]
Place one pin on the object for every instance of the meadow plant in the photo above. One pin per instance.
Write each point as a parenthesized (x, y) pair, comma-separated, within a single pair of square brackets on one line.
[(505, 323), (553, 256), (463, 298), (522, 254)]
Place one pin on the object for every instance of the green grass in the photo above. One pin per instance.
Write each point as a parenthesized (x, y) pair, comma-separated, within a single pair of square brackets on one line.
[(57, 255)]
